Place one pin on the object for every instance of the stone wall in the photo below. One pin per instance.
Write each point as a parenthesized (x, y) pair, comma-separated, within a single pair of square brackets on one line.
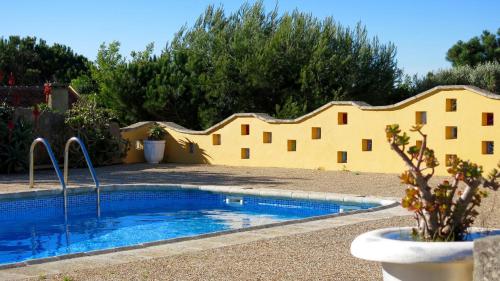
[(487, 259), (50, 125)]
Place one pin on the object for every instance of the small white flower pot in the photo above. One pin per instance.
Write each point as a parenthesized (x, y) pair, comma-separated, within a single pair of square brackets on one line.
[(407, 260), (153, 151)]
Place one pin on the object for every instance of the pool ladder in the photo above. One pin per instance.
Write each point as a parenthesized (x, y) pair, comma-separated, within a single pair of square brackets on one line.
[(64, 179)]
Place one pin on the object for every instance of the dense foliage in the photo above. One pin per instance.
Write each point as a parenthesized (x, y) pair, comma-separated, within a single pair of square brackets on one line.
[(15, 141), (92, 124), (446, 211), (33, 62), (477, 50), (248, 61), (485, 76)]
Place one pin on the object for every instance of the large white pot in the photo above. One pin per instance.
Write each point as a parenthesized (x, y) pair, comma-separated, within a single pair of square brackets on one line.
[(412, 260), (154, 150)]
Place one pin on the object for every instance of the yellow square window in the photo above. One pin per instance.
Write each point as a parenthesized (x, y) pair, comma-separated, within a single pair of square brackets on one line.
[(366, 145), (418, 144), (341, 156), (487, 119), (216, 139), (245, 153), (421, 117), (316, 133), (292, 145), (342, 118), (451, 132), (449, 159), (488, 147), (245, 129), (451, 105), (267, 137)]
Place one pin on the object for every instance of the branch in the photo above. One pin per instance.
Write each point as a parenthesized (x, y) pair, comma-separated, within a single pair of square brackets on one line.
[(422, 149), (403, 156)]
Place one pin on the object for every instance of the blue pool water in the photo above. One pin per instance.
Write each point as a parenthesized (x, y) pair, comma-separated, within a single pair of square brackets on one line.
[(37, 228)]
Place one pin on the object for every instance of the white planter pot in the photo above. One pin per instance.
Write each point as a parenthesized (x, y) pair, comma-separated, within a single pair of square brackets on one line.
[(153, 151), (408, 260)]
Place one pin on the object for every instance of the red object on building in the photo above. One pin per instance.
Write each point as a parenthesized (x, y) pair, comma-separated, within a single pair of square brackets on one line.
[(1, 76), (47, 90), (12, 80), (10, 126)]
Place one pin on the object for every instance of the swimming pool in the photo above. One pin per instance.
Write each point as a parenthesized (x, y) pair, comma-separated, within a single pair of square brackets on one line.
[(36, 227)]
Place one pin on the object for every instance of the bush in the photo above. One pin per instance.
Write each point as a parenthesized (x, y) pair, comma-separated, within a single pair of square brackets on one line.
[(92, 125), (15, 141), (485, 76)]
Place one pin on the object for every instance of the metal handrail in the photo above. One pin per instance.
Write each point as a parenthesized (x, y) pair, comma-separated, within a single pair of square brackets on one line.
[(54, 163), (89, 164)]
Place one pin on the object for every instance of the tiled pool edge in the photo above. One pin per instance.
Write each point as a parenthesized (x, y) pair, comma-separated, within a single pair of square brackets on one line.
[(267, 192), (384, 204)]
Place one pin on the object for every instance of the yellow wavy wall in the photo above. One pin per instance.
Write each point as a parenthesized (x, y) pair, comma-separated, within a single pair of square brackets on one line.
[(362, 123)]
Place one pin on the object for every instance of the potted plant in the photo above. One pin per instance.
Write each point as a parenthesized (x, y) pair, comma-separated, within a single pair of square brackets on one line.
[(154, 146), (440, 246)]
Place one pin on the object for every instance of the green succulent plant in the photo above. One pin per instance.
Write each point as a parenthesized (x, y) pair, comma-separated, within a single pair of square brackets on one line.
[(446, 211)]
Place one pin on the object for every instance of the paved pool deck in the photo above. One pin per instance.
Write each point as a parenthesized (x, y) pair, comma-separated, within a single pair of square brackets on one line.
[(313, 250)]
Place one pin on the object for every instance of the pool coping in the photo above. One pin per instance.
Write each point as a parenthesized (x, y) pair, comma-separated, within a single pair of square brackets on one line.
[(385, 203)]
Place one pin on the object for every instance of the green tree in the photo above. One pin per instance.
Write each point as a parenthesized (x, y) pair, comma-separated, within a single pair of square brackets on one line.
[(248, 61), (485, 48), (33, 62)]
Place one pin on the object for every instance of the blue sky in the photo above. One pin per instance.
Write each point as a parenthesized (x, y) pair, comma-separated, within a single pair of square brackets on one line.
[(422, 30)]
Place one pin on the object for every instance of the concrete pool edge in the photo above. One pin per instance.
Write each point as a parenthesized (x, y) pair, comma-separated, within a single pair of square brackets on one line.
[(385, 203)]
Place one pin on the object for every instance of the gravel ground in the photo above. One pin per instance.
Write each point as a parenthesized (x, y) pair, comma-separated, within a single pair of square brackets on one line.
[(320, 255)]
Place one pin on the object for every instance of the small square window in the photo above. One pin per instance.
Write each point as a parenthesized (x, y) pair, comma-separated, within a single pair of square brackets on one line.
[(451, 105), (367, 145), (387, 134), (292, 145), (342, 118), (451, 132), (488, 147), (418, 144), (421, 117), (449, 159), (341, 156), (216, 140), (191, 147), (487, 119), (245, 153), (245, 129), (267, 137), (316, 133)]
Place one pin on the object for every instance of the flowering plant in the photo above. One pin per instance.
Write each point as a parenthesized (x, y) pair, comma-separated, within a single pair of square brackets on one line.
[(47, 91), (443, 212)]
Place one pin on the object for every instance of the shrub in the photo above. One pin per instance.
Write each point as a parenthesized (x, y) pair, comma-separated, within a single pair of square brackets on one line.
[(92, 125), (15, 140), (485, 76), (443, 212)]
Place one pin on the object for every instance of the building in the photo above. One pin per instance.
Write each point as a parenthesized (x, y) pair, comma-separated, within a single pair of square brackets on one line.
[(460, 121), (62, 97)]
